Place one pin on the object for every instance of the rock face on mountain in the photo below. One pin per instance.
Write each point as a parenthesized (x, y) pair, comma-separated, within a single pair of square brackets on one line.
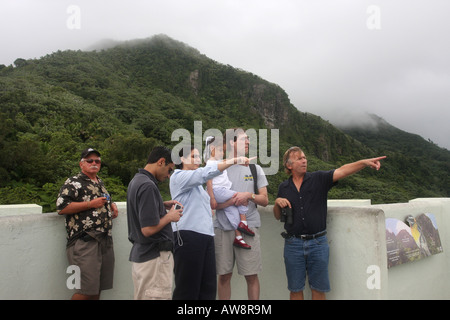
[(130, 96), (272, 109)]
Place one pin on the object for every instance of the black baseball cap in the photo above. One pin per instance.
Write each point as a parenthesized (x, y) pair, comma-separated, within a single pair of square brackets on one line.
[(88, 151)]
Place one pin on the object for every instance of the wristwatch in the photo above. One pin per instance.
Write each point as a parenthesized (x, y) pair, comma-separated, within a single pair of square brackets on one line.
[(253, 196)]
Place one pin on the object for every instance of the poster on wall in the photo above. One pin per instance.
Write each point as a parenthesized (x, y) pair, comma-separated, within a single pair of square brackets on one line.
[(414, 239)]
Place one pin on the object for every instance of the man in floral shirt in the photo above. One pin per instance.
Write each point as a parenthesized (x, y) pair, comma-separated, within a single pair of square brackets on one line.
[(86, 204)]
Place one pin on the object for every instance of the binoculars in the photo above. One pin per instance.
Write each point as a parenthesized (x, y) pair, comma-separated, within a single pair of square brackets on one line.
[(287, 215)]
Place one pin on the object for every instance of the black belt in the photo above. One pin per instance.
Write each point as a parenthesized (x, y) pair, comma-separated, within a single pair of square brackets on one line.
[(87, 238), (165, 246), (304, 236)]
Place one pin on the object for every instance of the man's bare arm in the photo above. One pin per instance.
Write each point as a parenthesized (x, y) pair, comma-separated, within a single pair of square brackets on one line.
[(351, 168)]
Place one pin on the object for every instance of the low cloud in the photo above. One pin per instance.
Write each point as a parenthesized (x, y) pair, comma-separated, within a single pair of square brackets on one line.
[(324, 54)]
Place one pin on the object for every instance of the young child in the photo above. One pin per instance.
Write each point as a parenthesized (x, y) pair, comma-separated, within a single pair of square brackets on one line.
[(219, 190)]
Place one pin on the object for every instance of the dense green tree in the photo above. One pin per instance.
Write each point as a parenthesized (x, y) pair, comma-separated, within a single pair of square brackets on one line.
[(127, 99)]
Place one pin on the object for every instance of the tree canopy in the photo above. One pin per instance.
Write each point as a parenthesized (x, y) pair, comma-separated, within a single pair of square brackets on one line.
[(127, 99)]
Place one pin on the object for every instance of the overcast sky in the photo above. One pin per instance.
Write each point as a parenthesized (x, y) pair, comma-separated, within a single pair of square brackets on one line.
[(332, 57)]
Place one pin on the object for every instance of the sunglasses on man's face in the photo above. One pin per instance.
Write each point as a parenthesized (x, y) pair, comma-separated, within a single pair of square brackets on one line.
[(90, 161)]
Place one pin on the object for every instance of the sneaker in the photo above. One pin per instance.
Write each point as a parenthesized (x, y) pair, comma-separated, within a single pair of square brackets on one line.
[(241, 244), (245, 229)]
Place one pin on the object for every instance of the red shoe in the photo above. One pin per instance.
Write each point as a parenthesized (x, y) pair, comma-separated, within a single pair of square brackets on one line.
[(241, 244), (245, 229)]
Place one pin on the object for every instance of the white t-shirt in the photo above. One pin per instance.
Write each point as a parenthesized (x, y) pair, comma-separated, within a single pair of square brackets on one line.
[(242, 181), (221, 181)]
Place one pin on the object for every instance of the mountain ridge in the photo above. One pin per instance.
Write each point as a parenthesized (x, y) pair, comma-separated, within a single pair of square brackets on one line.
[(130, 97)]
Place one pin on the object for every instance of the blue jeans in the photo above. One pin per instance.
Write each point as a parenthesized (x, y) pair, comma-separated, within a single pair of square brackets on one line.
[(307, 257)]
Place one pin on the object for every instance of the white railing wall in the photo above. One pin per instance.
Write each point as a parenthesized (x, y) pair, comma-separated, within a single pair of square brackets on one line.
[(33, 262)]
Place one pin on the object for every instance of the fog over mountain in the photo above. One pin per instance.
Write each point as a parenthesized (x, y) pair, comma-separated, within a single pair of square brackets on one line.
[(336, 59)]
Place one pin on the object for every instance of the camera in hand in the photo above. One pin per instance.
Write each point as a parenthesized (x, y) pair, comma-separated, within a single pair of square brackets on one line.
[(286, 215), (177, 206), (107, 196)]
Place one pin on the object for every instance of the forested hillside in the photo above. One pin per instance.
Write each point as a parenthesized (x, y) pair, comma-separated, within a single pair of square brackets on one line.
[(420, 166), (126, 99)]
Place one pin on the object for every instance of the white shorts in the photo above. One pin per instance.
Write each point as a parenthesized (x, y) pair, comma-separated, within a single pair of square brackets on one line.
[(248, 261), (153, 279)]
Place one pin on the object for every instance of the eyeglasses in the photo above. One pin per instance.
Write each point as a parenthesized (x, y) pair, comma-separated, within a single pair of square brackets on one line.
[(97, 161)]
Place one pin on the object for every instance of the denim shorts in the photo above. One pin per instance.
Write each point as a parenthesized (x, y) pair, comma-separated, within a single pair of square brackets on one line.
[(307, 257)]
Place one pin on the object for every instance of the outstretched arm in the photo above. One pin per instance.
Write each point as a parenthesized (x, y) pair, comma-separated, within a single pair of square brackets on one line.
[(351, 168)]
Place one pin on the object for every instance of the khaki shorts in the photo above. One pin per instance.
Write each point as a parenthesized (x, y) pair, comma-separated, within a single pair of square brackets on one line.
[(248, 262), (153, 279), (95, 258)]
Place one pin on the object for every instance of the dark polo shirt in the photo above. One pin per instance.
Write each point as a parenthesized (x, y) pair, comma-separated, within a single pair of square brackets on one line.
[(145, 207), (309, 205)]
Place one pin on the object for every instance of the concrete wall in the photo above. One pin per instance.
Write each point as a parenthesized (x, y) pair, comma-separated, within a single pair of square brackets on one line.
[(428, 278), (19, 209), (33, 262)]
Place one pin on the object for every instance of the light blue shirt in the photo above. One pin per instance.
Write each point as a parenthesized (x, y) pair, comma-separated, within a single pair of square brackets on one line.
[(186, 186)]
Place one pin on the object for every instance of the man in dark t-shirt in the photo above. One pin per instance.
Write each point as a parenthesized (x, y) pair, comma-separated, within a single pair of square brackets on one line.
[(149, 228), (302, 201)]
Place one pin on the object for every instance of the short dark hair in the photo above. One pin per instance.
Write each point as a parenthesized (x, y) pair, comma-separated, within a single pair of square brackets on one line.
[(232, 135), (158, 153), (181, 154)]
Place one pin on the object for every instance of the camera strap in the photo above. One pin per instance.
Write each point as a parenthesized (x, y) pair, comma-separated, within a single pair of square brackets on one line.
[(255, 178)]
